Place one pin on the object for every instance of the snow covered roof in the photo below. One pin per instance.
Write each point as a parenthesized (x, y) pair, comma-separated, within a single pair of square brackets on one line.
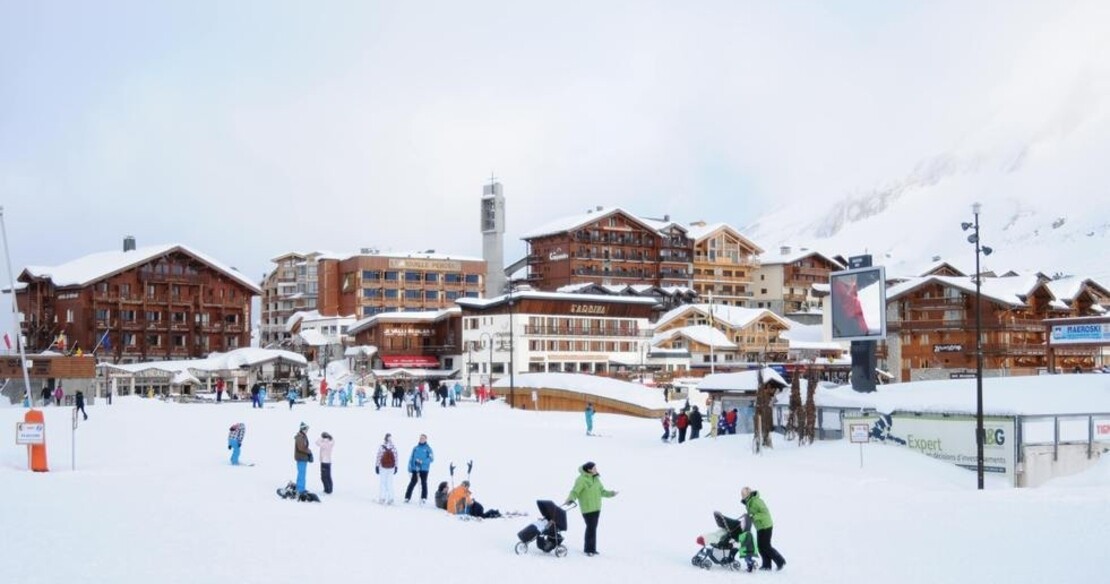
[(313, 338), (97, 266), (230, 361), (401, 316), (702, 334), (306, 317), (794, 256), (739, 381), (699, 231), (1032, 395), (809, 333), (606, 387), (360, 351), (569, 223), (733, 316), (184, 377), (480, 303), (1008, 291)]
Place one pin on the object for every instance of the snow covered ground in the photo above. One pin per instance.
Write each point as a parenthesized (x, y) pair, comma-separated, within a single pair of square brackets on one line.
[(154, 500)]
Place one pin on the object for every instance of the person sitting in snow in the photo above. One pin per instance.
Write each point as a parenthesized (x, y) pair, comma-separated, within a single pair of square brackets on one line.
[(441, 495)]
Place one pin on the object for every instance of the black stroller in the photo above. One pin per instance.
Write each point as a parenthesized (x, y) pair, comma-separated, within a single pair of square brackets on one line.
[(728, 545), (547, 532)]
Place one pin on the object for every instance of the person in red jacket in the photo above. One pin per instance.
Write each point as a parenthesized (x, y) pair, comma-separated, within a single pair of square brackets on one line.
[(730, 420), (682, 423)]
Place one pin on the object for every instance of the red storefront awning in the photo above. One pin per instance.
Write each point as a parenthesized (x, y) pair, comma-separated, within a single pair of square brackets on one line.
[(410, 361)]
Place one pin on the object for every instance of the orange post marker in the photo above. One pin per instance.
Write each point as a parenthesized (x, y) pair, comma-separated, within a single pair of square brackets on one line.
[(36, 453)]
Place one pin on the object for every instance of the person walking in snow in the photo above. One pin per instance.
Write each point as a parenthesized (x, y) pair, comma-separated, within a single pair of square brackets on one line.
[(681, 423), (589, 491), (420, 462), (385, 467), (302, 455), (418, 398), (58, 394), (667, 426), (761, 519), (45, 395), (79, 403), (291, 397), (235, 436), (408, 402), (325, 444), (695, 423), (589, 419), (219, 390)]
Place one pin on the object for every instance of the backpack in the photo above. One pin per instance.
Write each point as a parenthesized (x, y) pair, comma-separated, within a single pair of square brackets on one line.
[(388, 459)]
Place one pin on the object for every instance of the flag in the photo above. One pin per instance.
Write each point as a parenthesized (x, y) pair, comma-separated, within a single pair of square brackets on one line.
[(59, 342), (104, 341), (7, 341)]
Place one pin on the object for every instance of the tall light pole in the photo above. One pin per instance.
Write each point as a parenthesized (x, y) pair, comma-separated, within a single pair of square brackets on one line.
[(512, 383), (489, 368), (980, 249)]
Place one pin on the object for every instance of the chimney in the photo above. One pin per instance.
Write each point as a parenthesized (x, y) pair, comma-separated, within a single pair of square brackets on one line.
[(129, 243), (784, 250), (599, 207), (667, 217), (936, 258)]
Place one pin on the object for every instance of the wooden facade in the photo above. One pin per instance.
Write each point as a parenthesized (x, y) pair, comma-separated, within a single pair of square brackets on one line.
[(757, 336), (613, 247), (934, 323), (724, 265), (170, 304), (369, 284), (431, 334), (565, 400)]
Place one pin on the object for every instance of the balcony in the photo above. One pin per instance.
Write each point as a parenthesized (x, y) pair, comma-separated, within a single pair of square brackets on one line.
[(559, 331), (816, 272), (148, 277)]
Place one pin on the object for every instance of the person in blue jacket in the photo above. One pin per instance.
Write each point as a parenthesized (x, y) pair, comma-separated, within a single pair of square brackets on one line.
[(235, 437), (420, 462), (589, 419)]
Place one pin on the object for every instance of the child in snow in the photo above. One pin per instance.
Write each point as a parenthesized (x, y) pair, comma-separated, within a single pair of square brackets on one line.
[(235, 437)]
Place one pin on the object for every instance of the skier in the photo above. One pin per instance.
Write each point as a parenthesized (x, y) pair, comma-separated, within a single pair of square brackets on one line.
[(589, 419), (325, 444), (79, 403), (761, 519), (695, 423), (387, 461), (420, 462), (235, 437), (302, 455), (588, 491)]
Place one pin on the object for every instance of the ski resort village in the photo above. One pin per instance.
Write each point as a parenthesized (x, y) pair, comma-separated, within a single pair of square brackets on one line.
[(755, 292)]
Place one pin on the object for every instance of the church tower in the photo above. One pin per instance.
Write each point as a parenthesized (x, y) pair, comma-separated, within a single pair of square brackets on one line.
[(493, 238)]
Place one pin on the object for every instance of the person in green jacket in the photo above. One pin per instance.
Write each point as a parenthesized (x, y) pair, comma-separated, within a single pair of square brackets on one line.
[(761, 519), (588, 491)]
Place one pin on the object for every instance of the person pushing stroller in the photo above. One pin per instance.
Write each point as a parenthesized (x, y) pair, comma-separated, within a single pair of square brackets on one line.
[(731, 545)]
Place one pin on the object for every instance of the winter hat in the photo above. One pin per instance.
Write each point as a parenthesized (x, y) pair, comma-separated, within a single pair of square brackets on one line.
[(326, 435), (588, 466), (304, 426)]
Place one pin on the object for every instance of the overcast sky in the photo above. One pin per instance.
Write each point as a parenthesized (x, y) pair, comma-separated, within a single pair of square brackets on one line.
[(247, 129)]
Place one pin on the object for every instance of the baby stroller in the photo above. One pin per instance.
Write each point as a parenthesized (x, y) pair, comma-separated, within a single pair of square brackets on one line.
[(547, 532), (734, 538)]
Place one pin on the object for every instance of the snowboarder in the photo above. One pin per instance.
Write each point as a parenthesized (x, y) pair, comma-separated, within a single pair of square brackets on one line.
[(325, 444), (302, 455), (79, 403), (387, 462), (761, 519), (420, 462), (588, 491), (589, 419), (695, 423), (235, 436)]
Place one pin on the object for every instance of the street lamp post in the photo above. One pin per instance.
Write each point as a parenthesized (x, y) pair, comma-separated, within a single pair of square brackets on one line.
[(980, 249), (489, 368), (512, 381)]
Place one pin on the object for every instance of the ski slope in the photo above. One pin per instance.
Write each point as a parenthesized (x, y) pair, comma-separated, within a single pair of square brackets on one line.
[(153, 499)]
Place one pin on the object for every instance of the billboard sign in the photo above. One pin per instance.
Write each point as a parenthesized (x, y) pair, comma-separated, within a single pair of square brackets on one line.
[(1077, 334), (30, 433), (858, 304), (951, 438)]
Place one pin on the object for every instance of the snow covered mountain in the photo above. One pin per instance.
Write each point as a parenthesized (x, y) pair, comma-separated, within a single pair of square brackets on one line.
[(1038, 164)]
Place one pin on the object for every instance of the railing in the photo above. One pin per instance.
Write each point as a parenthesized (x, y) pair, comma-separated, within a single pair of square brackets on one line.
[(1056, 430), (152, 277), (542, 330), (820, 272)]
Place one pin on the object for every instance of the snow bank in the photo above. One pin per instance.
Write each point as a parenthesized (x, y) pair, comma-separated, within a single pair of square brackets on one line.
[(615, 389)]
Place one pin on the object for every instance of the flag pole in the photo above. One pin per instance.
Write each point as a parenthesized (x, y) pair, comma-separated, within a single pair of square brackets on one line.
[(15, 312)]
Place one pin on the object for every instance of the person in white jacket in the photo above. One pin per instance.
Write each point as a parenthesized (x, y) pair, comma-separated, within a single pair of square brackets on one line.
[(385, 467), (325, 444)]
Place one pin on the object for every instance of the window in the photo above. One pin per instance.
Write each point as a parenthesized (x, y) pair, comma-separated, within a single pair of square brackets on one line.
[(102, 287), (762, 290), (412, 294), (371, 275), (178, 317), (431, 277), (371, 292), (391, 276), (431, 295), (128, 339), (452, 295), (452, 278), (471, 294), (179, 340), (232, 342), (125, 289), (391, 293), (150, 290), (232, 319), (472, 278), (153, 316), (69, 315), (127, 315), (201, 318), (154, 340), (103, 314), (175, 291), (412, 276)]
